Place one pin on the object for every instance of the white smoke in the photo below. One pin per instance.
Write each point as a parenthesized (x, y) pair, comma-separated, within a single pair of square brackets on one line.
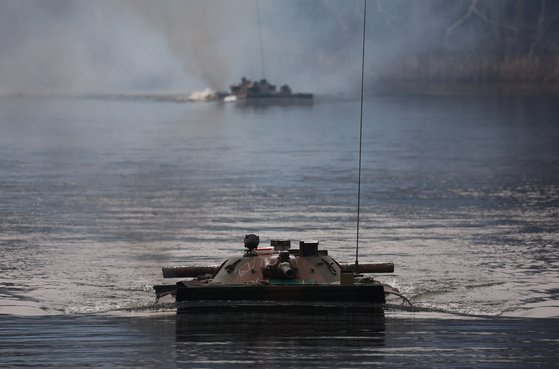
[(83, 46)]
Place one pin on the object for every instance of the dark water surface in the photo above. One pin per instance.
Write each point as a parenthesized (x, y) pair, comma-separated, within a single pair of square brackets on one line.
[(462, 194), (277, 341)]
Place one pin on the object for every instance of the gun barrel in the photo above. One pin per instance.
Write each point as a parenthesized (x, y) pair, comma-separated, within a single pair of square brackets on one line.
[(286, 270)]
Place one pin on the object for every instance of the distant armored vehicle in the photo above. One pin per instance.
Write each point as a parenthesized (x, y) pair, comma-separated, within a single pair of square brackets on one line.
[(263, 90)]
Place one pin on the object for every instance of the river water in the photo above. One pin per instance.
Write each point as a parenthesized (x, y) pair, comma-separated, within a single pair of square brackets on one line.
[(461, 193)]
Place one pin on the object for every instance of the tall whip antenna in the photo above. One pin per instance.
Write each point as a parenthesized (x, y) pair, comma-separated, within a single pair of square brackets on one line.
[(356, 271), (262, 61)]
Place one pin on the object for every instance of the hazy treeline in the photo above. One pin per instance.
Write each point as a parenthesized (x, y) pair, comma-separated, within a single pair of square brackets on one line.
[(474, 40), (82, 46), (461, 40)]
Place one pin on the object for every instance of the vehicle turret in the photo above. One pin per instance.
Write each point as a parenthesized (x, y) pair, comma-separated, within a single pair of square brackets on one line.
[(278, 264)]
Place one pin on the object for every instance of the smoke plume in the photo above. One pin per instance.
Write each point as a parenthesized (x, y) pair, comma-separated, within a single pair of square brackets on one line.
[(83, 46)]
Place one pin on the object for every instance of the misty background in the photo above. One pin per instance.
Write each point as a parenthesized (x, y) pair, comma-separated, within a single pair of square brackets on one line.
[(108, 46)]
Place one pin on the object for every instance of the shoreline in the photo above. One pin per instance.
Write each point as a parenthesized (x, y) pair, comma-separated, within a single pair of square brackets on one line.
[(455, 88)]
